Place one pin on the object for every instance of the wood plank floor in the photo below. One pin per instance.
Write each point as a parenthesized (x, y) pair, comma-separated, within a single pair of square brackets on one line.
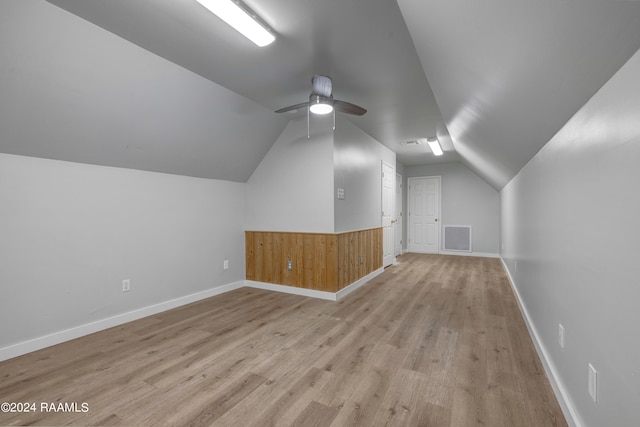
[(433, 341)]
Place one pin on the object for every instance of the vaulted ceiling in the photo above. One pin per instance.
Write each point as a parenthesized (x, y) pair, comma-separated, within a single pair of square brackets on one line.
[(493, 79), (507, 75)]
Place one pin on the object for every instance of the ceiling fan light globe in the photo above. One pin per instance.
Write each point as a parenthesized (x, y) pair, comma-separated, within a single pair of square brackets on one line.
[(319, 104), (321, 108)]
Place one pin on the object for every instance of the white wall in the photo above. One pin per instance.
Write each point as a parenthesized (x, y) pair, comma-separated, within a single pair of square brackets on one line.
[(70, 233), (571, 244), (292, 188), (357, 169), (466, 199)]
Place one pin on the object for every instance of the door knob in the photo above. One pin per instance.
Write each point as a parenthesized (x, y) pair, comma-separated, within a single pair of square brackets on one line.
[(436, 219)]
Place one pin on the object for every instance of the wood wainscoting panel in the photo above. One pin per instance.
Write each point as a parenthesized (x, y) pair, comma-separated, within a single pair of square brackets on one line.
[(320, 261), (359, 253)]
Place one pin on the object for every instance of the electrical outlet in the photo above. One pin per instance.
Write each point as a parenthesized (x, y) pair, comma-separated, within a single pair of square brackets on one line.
[(561, 335), (290, 265), (126, 285), (361, 259), (225, 264), (593, 382)]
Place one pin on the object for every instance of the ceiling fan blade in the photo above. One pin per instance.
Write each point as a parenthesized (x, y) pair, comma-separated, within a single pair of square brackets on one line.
[(349, 108), (322, 85), (293, 107)]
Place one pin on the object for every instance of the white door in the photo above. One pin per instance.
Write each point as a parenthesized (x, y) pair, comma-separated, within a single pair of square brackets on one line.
[(397, 231), (387, 214), (424, 213)]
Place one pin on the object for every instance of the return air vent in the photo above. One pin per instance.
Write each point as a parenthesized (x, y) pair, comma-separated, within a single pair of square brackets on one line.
[(413, 142), (457, 238)]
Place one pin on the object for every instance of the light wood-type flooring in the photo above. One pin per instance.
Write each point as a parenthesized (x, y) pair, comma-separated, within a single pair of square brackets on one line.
[(433, 341)]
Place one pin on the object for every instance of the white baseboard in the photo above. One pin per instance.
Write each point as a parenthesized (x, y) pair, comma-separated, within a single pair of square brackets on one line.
[(28, 346), (291, 290), (475, 254), (460, 253), (355, 285), (313, 293), (562, 394)]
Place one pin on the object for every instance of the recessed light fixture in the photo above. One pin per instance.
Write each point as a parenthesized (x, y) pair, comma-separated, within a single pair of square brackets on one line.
[(241, 18), (435, 146)]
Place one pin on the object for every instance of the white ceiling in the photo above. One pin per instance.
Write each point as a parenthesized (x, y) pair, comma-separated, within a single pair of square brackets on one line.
[(506, 74), (363, 45)]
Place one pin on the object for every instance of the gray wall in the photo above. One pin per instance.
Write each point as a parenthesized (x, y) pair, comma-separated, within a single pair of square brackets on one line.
[(570, 242), (71, 232), (292, 188), (357, 169), (295, 186), (466, 199)]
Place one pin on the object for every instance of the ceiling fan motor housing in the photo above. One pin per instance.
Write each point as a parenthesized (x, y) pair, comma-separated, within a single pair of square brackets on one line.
[(322, 85), (321, 100)]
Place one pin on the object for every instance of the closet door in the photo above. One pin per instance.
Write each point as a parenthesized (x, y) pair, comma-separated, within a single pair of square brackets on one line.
[(424, 214)]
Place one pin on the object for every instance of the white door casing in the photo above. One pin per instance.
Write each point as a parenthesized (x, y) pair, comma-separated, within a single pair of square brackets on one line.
[(398, 217), (388, 175), (424, 214)]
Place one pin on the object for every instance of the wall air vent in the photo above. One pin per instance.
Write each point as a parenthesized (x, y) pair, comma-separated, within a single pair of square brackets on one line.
[(457, 238)]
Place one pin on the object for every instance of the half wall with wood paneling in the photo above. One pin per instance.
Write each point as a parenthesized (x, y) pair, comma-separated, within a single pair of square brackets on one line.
[(319, 261)]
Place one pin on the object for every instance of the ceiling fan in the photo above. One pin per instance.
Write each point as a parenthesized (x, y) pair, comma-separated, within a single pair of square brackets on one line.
[(321, 101)]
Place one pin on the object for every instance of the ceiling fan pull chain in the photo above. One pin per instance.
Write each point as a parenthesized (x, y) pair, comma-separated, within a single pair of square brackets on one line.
[(308, 131)]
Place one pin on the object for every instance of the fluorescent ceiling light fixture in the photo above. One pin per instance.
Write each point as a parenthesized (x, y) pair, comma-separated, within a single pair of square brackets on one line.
[(241, 18), (435, 146), (319, 104)]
